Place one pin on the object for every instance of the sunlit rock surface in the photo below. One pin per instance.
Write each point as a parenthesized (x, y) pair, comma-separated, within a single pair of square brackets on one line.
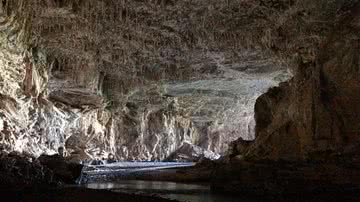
[(127, 77), (191, 153)]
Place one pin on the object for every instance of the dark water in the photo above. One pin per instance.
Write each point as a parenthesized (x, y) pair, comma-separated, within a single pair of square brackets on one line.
[(201, 193), (170, 190), (97, 177), (94, 177)]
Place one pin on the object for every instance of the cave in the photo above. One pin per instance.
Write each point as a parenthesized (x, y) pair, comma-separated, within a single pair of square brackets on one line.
[(162, 100)]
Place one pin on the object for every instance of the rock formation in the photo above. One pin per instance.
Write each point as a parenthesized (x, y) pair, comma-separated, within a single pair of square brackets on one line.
[(307, 128), (133, 78), (154, 80), (192, 153), (315, 112)]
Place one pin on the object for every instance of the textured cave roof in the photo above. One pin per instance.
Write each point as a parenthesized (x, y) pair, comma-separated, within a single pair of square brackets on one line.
[(205, 49), (211, 54), (149, 40), (191, 50), (210, 58)]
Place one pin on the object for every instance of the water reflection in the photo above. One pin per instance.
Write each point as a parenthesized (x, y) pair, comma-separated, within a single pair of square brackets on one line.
[(170, 190), (150, 185), (201, 192)]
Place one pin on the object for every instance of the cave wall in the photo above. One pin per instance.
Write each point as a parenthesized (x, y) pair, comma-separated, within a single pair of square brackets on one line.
[(65, 71), (315, 115), (307, 129), (34, 119), (101, 76), (23, 82)]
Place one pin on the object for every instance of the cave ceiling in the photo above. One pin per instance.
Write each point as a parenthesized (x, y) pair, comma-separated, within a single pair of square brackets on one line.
[(184, 49), (133, 57)]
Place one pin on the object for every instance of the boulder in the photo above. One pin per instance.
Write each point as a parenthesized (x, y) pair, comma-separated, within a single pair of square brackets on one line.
[(19, 171), (192, 153), (65, 171)]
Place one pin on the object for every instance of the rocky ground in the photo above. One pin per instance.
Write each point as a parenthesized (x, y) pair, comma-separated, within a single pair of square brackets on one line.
[(21, 172), (285, 178)]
